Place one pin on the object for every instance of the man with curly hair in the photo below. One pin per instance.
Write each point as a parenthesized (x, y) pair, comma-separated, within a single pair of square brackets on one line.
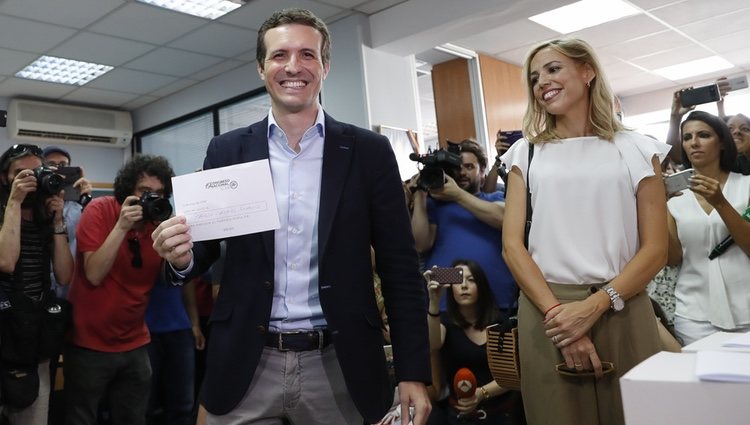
[(116, 269)]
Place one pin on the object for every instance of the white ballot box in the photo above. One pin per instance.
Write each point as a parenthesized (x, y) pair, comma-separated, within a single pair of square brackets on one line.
[(664, 389), (716, 342)]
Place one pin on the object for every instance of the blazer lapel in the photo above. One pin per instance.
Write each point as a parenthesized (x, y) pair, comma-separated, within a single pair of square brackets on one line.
[(337, 158), (257, 146), (254, 149)]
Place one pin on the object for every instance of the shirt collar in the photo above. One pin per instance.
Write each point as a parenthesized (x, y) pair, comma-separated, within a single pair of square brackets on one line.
[(319, 123)]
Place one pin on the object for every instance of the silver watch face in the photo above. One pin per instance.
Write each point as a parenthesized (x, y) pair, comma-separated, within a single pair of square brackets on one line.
[(618, 304), (615, 301)]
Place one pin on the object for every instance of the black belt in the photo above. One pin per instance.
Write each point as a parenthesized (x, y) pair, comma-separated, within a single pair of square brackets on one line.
[(299, 341)]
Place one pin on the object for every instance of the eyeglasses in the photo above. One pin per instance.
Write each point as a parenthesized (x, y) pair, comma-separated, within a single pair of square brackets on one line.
[(56, 164), (135, 250)]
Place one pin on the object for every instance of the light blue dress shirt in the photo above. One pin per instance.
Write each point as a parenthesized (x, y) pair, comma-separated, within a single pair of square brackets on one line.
[(296, 181)]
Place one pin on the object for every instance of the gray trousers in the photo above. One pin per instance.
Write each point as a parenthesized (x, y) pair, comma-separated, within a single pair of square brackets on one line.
[(304, 387)]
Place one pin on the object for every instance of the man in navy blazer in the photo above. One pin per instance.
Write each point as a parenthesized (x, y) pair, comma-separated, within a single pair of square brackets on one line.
[(296, 333)]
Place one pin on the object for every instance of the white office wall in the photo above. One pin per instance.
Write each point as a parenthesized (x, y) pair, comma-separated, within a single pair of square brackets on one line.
[(365, 87), (222, 87), (344, 94)]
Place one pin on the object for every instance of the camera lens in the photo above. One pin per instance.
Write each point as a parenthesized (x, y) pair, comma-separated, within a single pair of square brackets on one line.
[(48, 181), (155, 208), (53, 183), (432, 178)]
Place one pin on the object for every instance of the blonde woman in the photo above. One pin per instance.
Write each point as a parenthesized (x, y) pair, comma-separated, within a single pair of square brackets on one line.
[(597, 238)]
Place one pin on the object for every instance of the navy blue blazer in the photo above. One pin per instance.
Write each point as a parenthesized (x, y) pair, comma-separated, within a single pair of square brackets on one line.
[(361, 204)]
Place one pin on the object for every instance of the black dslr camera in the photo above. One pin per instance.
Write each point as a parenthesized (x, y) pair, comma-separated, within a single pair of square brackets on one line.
[(155, 208), (438, 164), (48, 182)]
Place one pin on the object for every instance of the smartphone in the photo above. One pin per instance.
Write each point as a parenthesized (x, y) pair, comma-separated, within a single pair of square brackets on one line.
[(563, 369), (737, 83), (71, 174), (512, 136), (678, 181), (700, 95), (447, 275)]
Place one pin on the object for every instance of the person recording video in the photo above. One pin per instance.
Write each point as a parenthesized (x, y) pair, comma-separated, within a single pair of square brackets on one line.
[(458, 220)]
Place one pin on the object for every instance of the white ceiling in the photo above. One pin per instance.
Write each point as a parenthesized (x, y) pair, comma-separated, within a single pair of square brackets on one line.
[(158, 52)]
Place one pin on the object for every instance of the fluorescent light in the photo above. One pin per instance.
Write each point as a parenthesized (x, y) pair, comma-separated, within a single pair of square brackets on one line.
[(693, 68), (63, 71), (210, 9), (584, 14), (454, 50)]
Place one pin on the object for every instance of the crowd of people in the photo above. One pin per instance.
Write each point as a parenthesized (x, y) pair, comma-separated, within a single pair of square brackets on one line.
[(296, 331)]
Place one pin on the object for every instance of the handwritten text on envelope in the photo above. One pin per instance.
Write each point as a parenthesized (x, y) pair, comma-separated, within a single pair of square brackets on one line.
[(227, 201)]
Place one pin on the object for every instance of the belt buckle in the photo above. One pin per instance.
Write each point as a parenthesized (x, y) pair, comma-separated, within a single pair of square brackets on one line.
[(320, 338), (280, 346)]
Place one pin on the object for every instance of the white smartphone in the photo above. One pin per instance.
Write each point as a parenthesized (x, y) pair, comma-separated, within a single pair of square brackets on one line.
[(678, 182), (737, 83)]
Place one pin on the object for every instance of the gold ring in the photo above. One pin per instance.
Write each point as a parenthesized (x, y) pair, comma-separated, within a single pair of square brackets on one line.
[(554, 339), (578, 364)]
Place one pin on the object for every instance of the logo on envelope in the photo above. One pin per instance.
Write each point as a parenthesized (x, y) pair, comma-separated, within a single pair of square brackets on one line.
[(222, 184)]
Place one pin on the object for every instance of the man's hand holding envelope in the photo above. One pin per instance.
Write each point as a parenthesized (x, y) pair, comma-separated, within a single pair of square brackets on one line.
[(211, 205)]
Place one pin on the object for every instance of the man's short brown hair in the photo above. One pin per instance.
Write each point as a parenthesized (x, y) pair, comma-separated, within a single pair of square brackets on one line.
[(293, 16), (471, 146)]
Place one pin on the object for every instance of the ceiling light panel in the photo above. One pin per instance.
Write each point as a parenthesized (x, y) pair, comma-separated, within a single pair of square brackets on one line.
[(209, 9), (63, 71), (584, 14), (694, 68)]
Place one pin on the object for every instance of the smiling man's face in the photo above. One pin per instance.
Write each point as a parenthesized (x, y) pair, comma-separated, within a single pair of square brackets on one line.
[(293, 69)]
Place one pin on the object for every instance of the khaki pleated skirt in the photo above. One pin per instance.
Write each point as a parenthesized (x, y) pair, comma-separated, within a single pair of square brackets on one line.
[(624, 338)]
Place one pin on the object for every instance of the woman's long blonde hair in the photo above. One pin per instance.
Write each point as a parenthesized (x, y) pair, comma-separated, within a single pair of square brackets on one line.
[(539, 125)]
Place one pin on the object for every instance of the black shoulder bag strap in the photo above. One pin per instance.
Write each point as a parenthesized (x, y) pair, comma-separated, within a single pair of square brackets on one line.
[(528, 198), (511, 322)]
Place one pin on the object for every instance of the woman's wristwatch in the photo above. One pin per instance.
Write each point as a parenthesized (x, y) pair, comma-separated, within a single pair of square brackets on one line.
[(60, 229), (616, 303)]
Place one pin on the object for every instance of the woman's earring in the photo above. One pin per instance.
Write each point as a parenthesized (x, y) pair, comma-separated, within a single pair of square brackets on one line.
[(588, 84)]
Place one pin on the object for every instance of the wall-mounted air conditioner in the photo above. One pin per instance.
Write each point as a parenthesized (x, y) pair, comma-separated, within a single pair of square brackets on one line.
[(52, 123)]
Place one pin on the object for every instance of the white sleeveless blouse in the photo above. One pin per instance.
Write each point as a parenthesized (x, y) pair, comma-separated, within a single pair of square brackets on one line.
[(583, 194)]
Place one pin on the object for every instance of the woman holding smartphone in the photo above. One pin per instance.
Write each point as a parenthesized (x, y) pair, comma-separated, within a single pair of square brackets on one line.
[(711, 294), (458, 340), (595, 241)]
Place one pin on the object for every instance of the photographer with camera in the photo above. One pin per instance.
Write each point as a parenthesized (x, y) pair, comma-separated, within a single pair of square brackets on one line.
[(457, 220), (680, 107), (32, 240), (117, 268), (76, 183), (497, 171)]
